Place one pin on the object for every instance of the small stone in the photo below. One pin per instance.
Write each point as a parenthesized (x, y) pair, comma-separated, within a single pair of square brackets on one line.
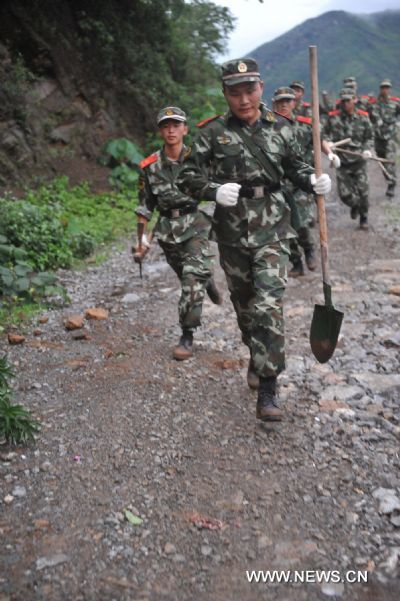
[(8, 499), (50, 562), (43, 319), (169, 548), (206, 550), (333, 589), (394, 290), (96, 313), (74, 322), (15, 338), (263, 542), (388, 501), (130, 298), (19, 491)]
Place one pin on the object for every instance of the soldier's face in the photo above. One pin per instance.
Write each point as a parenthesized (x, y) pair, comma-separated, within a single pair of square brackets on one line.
[(348, 105), (244, 100), (173, 132), (285, 107), (385, 91), (298, 92)]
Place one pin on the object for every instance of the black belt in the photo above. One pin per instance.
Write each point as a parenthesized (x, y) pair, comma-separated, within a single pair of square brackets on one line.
[(178, 212), (258, 191)]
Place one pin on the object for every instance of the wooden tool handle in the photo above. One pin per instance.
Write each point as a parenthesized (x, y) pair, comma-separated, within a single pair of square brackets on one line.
[(323, 230)]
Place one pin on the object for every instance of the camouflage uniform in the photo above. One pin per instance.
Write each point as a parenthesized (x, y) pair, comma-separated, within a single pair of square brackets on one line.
[(305, 203), (384, 116), (351, 177), (253, 236), (183, 238)]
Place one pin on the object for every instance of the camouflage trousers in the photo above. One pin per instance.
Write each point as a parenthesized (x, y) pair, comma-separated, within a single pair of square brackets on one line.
[(353, 187), (256, 279), (305, 204), (386, 149), (192, 262)]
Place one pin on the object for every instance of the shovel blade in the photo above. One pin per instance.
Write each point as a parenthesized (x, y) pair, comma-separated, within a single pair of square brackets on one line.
[(324, 332)]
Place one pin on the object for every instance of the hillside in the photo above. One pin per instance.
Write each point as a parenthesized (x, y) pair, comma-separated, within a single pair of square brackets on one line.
[(366, 46)]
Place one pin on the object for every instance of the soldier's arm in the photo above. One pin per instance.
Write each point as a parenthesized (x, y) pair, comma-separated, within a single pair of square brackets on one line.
[(294, 167), (147, 200), (193, 178)]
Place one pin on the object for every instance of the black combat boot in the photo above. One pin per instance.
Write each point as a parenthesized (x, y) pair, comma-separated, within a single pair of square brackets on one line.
[(267, 408), (253, 381), (184, 350), (310, 259), (363, 222), (297, 269), (213, 292)]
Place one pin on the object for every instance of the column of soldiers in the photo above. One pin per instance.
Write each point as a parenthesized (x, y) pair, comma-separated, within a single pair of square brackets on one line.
[(252, 162)]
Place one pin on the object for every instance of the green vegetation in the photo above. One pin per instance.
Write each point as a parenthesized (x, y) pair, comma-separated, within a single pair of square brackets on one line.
[(16, 423), (50, 228)]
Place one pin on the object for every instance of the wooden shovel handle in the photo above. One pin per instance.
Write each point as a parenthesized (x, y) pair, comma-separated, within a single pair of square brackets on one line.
[(323, 230)]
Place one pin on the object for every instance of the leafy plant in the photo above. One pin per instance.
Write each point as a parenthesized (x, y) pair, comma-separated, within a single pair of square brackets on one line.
[(16, 423), (124, 156)]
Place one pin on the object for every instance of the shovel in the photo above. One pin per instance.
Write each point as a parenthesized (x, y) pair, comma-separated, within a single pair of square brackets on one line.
[(326, 321)]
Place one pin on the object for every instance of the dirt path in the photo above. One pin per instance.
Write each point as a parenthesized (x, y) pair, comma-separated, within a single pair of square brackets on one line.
[(126, 427)]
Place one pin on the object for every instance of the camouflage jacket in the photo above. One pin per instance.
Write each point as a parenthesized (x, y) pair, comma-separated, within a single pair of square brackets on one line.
[(303, 109), (219, 156), (385, 116), (357, 126), (157, 190), (304, 136)]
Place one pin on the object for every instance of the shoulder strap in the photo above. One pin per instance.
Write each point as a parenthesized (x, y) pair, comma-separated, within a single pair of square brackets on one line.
[(258, 153)]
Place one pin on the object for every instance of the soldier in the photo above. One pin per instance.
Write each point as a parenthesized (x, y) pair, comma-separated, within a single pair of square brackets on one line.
[(385, 112), (182, 230), (238, 160), (301, 107), (284, 103), (352, 179)]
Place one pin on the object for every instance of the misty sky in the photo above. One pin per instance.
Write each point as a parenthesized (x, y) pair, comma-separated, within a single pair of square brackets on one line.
[(259, 23)]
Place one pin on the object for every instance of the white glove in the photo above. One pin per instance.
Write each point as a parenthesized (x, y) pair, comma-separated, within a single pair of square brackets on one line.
[(333, 158), (322, 184), (367, 154), (228, 194)]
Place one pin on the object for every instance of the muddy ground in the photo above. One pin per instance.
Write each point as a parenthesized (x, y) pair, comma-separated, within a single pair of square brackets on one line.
[(125, 427)]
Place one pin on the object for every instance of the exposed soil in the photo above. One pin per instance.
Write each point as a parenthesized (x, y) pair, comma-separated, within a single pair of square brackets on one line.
[(125, 427)]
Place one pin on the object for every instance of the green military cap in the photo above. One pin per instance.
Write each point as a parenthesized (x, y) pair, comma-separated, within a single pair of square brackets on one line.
[(283, 93), (347, 94), (349, 80), (171, 112), (240, 70), (386, 83), (297, 84)]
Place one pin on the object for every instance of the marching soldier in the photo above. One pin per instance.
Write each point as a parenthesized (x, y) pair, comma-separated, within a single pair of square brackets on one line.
[(302, 107), (238, 160), (385, 113), (284, 104), (182, 230), (352, 179)]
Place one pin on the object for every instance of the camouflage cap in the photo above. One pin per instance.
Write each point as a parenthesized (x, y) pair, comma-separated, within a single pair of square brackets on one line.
[(297, 84), (386, 83), (283, 93), (171, 112), (350, 84), (347, 94), (349, 80), (239, 71)]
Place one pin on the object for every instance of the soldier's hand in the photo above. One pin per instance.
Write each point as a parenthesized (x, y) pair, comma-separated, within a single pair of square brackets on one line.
[(228, 194), (322, 184), (367, 154), (145, 241), (334, 159)]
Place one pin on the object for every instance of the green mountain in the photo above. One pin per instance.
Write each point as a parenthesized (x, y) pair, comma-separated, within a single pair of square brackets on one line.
[(366, 46)]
